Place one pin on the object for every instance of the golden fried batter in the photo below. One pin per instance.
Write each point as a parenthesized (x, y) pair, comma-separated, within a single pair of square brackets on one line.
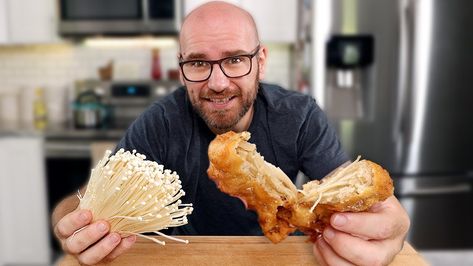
[(240, 171)]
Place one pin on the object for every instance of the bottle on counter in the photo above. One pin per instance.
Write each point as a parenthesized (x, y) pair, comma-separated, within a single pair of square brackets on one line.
[(156, 72), (39, 109)]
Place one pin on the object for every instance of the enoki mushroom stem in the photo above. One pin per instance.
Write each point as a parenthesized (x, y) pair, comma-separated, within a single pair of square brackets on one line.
[(273, 178), (135, 196), (349, 179)]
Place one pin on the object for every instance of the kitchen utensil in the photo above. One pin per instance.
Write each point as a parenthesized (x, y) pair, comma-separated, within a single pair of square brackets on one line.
[(89, 112)]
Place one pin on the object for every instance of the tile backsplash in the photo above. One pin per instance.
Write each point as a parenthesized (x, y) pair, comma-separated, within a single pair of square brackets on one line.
[(56, 67)]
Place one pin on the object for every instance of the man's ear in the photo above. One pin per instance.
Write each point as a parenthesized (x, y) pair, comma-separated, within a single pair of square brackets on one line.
[(262, 55), (181, 76)]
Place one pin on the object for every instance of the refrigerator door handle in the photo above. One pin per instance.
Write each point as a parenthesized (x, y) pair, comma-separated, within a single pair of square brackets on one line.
[(404, 71), (441, 190)]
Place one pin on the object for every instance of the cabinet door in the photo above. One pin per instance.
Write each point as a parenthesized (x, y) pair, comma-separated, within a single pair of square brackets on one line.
[(23, 202), (31, 21), (189, 5), (276, 19), (3, 22)]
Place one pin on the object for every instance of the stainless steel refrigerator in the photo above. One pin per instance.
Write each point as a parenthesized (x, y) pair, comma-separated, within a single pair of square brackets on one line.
[(396, 79)]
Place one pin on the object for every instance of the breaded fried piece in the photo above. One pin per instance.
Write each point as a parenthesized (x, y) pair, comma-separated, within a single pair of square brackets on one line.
[(240, 171), (353, 188)]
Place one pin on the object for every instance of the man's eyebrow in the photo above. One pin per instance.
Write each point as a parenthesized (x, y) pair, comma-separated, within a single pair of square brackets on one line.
[(236, 52), (196, 56), (193, 56)]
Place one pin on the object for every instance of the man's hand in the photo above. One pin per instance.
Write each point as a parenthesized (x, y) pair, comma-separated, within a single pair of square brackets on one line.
[(365, 238), (90, 243)]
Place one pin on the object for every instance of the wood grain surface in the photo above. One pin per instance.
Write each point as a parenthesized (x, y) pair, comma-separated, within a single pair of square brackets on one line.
[(231, 250)]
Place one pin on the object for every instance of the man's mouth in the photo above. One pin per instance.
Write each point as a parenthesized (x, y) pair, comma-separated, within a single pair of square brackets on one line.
[(220, 103), (220, 100)]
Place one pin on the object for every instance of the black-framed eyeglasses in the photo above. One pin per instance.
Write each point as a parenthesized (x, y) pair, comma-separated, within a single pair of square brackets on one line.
[(234, 66)]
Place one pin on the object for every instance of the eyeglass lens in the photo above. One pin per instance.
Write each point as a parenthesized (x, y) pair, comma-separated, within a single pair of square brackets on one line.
[(235, 66)]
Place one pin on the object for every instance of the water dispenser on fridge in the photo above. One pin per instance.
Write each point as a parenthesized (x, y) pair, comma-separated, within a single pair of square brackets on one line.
[(349, 76)]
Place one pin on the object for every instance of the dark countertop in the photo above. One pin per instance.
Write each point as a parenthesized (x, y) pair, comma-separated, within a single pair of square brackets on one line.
[(61, 131), (62, 140), (18, 130), (68, 133)]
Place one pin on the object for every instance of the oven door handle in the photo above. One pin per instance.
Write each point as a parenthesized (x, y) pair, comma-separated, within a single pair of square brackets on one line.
[(71, 149)]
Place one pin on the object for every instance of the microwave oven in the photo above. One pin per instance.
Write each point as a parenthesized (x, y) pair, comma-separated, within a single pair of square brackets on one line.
[(119, 17)]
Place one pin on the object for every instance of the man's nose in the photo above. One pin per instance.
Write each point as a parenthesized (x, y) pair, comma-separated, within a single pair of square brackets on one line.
[(217, 80)]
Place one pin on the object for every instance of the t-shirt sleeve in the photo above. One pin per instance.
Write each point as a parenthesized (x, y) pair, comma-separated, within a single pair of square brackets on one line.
[(320, 151)]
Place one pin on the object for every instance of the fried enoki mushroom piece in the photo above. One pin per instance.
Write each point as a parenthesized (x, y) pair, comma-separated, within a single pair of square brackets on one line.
[(353, 188), (240, 171)]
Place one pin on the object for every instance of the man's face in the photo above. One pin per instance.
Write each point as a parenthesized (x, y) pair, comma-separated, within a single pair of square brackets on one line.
[(221, 101)]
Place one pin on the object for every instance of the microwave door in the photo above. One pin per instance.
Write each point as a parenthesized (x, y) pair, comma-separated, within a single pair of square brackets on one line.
[(89, 10), (119, 17)]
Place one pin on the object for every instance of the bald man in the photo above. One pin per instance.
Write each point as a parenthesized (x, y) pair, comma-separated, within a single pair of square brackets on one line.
[(222, 62)]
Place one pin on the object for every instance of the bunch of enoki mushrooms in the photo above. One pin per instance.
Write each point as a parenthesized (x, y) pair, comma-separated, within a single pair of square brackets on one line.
[(135, 196)]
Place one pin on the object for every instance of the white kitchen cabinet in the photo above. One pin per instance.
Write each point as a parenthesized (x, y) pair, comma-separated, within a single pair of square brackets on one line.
[(3, 22), (189, 5), (276, 19), (28, 21), (24, 226)]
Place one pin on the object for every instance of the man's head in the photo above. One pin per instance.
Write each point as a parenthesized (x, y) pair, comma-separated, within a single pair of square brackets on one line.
[(214, 31)]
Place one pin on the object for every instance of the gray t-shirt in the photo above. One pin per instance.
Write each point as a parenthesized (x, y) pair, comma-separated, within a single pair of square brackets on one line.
[(288, 128)]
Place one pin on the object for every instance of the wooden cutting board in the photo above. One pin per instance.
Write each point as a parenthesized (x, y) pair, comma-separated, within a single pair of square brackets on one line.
[(231, 250)]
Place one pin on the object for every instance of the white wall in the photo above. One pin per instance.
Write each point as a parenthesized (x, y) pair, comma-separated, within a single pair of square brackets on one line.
[(56, 68)]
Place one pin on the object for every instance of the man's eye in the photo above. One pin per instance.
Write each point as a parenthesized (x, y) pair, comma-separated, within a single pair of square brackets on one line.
[(198, 64), (235, 60)]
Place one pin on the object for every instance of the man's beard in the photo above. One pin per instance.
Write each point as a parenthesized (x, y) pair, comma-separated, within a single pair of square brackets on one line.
[(217, 118)]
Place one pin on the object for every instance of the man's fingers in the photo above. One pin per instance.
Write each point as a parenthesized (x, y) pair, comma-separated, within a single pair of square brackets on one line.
[(124, 245), (318, 255), (72, 222), (100, 250), (357, 250), (375, 224), (329, 256), (365, 225), (86, 237)]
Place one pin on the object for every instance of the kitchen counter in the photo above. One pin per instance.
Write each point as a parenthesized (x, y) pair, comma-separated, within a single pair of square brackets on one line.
[(18, 130), (63, 141), (65, 131), (231, 250), (448, 257), (60, 131)]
